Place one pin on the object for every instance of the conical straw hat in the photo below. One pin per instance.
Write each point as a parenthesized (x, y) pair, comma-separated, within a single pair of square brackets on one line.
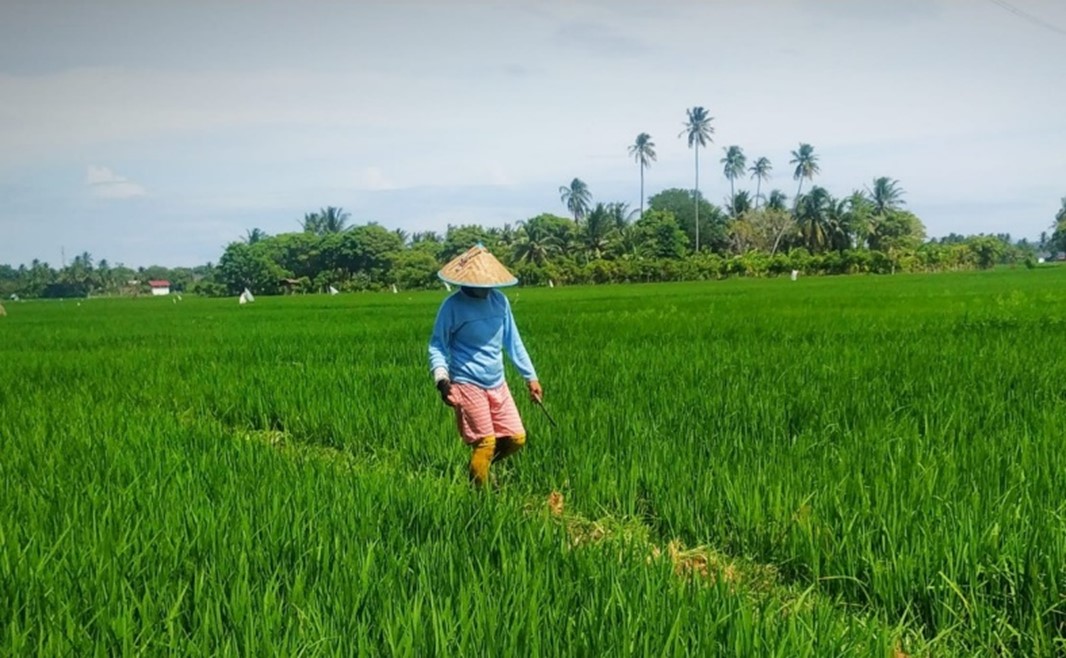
[(477, 268)]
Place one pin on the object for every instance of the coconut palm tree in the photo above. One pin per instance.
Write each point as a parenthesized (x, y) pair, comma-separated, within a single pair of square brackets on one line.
[(334, 220), (698, 131), (806, 166), (508, 234), (620, 214), (254, 235), (534, 245), (858, 213), (643, 151), (425, 236), (312, 223), (813, 216), (734, 163), (760, 171), (885, 195), (777, 200), (576, 197), (741, 203), (839, 234), (596, 234), (1057, 241)]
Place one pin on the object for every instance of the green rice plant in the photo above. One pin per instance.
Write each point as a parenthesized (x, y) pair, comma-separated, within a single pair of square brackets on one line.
[(859, 465)]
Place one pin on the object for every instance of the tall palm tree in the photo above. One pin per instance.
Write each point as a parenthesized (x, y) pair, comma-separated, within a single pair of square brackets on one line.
[(533, 244), (643, 151), (698, 130), (425, 236), (333, 219), (734, 163), (595, 235), (1057, 241), (741, 203), (576, 197), (886, 195), (254, 235), (857, 217), (777, 200), (760, 171), (312, 223), (504, 236), (620, 214), (806, 166), (839, 228), (813, 214)]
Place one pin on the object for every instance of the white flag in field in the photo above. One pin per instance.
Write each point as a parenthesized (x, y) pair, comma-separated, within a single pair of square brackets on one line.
[(551, 284), (394, 290), (246, 297), (795, 274), (333, 291)]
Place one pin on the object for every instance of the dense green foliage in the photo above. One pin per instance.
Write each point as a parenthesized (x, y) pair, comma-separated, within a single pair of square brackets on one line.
[(605, 243), (280, 478)]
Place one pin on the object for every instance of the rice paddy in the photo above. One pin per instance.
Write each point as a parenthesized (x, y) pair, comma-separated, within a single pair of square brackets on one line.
[(855, 466)]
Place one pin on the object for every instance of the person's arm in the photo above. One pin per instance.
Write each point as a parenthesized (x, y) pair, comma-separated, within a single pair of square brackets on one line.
[(516, 349), (438, 351)]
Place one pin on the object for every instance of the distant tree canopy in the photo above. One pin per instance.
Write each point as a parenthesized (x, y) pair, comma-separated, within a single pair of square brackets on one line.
[(84, 276), (679, 235), (866, 231)]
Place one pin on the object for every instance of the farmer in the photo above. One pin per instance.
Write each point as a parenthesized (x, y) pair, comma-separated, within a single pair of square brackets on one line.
[(474, 327)]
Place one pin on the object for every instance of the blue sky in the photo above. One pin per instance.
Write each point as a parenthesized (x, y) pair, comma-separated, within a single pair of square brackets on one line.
[(157, 132)]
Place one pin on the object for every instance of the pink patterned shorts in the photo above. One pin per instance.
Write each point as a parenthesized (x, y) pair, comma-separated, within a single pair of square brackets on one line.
[(483, 412)]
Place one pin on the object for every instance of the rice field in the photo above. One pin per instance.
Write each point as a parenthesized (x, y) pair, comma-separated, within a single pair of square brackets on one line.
[(861, 466)]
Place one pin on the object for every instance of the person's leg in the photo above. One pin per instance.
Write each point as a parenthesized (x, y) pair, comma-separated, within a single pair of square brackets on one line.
[(507, 446), (480, 460), (506, 423), (474, 420)]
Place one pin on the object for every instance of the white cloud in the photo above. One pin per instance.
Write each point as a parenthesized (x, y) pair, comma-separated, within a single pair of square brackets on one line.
[(106, 184), (372, 178), (497, 175), (480, 97)]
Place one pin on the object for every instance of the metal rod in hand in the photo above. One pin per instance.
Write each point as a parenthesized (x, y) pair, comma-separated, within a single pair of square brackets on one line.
[(545, 410)]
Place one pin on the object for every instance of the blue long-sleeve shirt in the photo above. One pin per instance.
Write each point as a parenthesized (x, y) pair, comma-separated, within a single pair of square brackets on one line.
[(470, 336)]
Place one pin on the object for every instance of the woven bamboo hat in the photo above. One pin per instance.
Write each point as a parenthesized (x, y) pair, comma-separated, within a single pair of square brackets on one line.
[(477, 268)]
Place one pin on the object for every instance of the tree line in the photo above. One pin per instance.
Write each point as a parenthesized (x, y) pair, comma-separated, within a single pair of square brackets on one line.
[(678, 235), (608, 243)]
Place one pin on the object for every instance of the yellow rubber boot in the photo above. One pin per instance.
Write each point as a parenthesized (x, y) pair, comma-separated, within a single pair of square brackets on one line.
[(480, 460), (507, 446)]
